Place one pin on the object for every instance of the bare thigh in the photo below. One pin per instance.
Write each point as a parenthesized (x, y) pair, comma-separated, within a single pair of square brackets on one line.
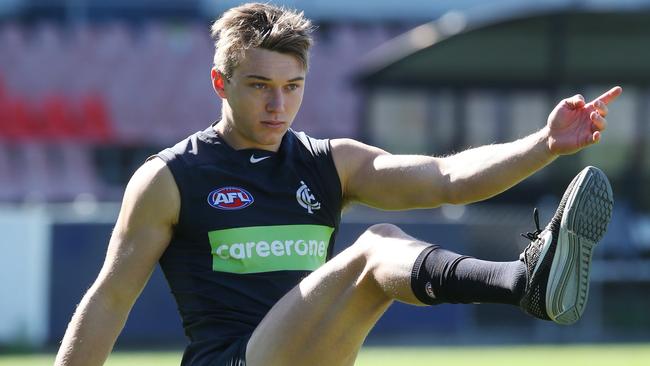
[(325, 319)]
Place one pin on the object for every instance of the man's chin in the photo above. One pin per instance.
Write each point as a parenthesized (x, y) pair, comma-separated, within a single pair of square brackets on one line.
[(270, 141)]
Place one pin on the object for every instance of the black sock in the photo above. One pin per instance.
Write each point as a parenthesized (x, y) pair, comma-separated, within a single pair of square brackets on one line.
[(440, 276)]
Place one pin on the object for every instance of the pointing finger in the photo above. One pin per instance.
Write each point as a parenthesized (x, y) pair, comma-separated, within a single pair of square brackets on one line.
[(610, 95)]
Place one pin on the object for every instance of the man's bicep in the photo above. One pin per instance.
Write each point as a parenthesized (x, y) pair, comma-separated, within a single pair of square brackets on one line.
[(142, 232), (379, 179), (354, 162)]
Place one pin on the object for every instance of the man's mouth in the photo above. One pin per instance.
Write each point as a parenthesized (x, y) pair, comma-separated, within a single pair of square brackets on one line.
[(273, 123)]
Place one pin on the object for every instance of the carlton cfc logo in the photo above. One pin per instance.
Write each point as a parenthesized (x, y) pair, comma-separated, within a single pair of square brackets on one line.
[(230, 198), (306, 199)]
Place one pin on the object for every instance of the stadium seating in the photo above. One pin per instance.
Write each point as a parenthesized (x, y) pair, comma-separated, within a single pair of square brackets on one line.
[(67, 89)]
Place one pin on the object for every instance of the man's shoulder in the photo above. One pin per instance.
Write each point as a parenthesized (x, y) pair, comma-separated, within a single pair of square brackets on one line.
[(315, 146), (152, 179), (154, 171), (189, 143), (194, 149)]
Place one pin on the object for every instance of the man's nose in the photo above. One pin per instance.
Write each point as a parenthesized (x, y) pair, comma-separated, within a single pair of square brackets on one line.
[(276, 101)]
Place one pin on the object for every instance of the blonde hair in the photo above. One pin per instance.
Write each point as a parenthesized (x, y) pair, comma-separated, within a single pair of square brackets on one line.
[(256, 25)]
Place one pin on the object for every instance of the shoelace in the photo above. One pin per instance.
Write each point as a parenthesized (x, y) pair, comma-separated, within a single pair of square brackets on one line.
[(532, 236)]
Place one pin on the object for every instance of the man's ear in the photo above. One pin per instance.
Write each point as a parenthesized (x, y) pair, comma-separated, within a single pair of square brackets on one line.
[(218, 81)]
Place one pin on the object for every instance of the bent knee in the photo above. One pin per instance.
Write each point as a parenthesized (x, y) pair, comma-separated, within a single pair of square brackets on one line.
[(379, 239), (360, 253), (385, 231), (388, 254)]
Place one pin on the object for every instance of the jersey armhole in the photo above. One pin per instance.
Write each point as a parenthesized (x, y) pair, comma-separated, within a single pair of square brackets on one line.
[(330, 159), (175, 166)]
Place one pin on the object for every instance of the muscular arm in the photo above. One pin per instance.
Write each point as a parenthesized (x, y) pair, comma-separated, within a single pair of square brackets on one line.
[(142, 232), (374, 177)]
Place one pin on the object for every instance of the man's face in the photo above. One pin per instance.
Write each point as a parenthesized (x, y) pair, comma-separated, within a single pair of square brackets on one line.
[(261, 99)]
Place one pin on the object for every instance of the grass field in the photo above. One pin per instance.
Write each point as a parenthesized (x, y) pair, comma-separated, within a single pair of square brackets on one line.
[(591, 355)]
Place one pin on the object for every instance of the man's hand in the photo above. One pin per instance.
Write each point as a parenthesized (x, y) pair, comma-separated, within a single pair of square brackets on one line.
[(573, 125)]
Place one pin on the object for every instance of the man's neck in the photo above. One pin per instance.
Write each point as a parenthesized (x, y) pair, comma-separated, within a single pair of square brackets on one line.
[(229, 134)]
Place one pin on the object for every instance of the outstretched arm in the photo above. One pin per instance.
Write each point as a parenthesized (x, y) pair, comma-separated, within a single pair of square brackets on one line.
[(374, 177), (142, 233)]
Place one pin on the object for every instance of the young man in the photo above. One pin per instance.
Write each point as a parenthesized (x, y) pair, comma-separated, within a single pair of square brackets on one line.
[(242, 217)]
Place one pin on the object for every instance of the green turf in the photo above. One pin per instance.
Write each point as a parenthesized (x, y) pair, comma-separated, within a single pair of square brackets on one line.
[(592, 355)]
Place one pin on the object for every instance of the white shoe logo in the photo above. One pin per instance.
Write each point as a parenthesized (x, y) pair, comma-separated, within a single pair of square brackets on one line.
[(429, 290), (257, 160)]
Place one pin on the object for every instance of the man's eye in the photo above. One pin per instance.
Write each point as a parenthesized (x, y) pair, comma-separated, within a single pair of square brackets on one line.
[(258, 86), (292, 87)]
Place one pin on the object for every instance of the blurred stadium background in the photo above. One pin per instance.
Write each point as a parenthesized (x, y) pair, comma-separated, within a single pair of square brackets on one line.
[(90, 88)]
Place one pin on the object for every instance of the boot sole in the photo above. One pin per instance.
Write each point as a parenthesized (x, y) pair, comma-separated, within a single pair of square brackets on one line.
[(586, 215)]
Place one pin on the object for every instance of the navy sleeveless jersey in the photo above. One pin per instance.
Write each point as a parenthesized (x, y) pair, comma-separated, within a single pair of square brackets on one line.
[(252, 224)]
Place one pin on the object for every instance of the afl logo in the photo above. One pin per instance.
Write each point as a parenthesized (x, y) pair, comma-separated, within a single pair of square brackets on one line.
[(230, 198)]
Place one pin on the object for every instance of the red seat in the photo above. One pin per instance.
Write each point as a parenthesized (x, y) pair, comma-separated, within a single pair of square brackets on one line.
[(58, 119), (23, 122), (96, 125)]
